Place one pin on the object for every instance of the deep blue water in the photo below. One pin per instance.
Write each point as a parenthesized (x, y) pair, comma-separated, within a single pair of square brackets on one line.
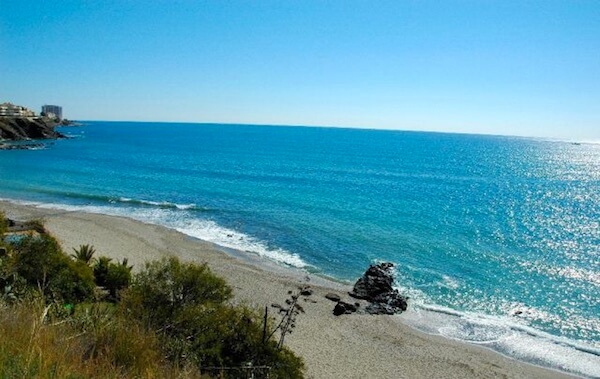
[(501, 234)]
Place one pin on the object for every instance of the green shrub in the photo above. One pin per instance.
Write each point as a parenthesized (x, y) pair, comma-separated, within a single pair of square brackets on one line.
[(3, 225), (42, 263), (101, 270), (85, 253), (164, 287), (186, 305), (117, 278)]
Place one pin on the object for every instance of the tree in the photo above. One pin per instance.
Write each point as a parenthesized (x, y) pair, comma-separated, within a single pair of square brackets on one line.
[(43, 264)]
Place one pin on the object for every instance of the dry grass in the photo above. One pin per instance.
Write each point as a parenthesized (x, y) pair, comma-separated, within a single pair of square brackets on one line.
[(95, 344)]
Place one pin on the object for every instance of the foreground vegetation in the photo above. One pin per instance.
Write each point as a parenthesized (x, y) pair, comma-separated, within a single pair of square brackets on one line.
[(80, 316)]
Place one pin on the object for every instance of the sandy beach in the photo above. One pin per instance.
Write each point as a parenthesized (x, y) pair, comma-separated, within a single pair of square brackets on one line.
[(348, 346)]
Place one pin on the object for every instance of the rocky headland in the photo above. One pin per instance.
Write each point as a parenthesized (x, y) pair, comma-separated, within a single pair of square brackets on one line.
[(25, 129)]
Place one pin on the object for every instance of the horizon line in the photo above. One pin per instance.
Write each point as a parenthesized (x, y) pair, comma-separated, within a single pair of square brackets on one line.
[(370, 128)]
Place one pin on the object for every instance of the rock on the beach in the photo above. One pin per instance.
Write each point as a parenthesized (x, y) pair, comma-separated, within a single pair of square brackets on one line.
[(388, 304), (344, 308), (375, 286), (333, 297), (376, 280)]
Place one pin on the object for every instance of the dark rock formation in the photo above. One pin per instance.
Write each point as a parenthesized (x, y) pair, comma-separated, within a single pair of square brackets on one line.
[(24, 128), (375, 281), (333, 297), (21, 146), (387, 304), (344, 308), (375, 286)]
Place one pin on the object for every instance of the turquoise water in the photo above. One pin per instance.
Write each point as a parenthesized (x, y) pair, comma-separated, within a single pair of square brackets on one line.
[(496, 239)]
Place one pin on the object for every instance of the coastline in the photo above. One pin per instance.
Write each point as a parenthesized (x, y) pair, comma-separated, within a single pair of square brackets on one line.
[(354, 346)]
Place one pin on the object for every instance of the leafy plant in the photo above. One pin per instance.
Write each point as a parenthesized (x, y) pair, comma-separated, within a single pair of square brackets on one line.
[(186, 305), (167, 286), (42, 263), (101, 270), (3, 225), (117, 279), (85, 254), (125, 263)]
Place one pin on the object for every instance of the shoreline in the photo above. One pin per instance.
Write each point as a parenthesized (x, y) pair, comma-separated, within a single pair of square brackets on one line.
[(353, 346)]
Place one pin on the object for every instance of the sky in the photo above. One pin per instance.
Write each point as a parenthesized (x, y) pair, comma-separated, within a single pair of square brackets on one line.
[(528, 68)]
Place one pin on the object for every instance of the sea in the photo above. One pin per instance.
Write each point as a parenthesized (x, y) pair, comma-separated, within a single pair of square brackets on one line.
[(496, 240)]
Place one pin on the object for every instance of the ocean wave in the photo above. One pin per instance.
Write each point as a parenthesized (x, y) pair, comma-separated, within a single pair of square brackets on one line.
[(509, 334), (506, 335), (160, 204), (210, 231), (170, 217), (114, 200)]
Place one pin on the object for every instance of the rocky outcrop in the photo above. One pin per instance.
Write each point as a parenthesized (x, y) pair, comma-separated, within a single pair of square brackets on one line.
[(375, 281), (387, 304), (375, 286), (24, 128), (23, 146), (344, 308)]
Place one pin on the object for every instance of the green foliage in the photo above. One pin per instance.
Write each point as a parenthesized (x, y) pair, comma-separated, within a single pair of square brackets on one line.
[(187, 305), (13, 287), (173, 310), (117, 279), (101, 270), (125, 263), (3, 225), (96, 342), (42, 264), (112, 276), (85, 253), (108, 335), (167, 286)]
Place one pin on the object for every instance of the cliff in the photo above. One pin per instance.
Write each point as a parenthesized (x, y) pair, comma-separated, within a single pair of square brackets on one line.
[(22, 128)]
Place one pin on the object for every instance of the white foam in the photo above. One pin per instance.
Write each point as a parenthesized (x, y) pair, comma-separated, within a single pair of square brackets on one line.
[(210, 231), (203, 229), (165, 204), (507, 335)]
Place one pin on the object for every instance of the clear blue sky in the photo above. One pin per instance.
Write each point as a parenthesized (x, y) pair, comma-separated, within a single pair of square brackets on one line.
[(500, 67)]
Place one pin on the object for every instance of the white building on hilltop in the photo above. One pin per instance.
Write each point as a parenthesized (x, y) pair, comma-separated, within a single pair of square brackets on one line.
[(11, 110)]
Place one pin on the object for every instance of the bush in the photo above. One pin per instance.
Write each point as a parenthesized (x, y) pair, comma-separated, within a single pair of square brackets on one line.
[(117, 278), (187, 305), (85, 253), (3, 225), (42, 263), (101, 270), (167, 286)]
